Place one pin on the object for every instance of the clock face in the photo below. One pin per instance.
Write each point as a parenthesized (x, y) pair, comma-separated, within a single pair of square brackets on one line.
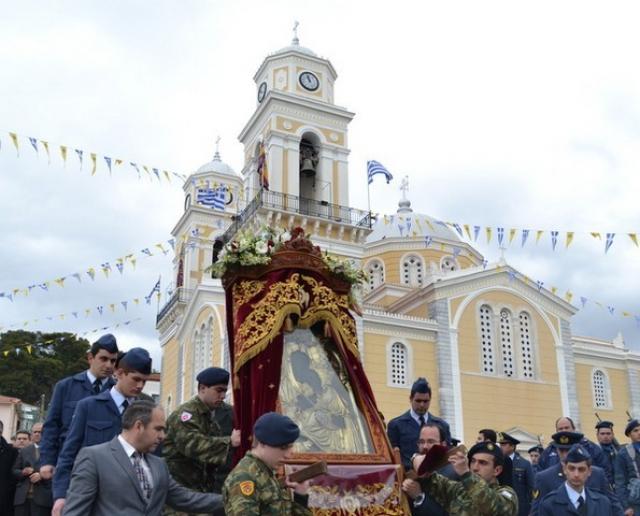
[(309, 81), (262, 91)]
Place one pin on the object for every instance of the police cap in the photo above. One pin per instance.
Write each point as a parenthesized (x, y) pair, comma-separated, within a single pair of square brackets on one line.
[(107, 342), (578, 453), (136, 359), (604, 424), (537, 448), (487, 447), (630, 426), (504, 437), (213, 376), (565, 440), (274, 429)]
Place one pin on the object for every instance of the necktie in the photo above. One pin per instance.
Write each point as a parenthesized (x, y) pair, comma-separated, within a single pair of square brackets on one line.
[(582, 506), (421, 419), (142, 476), (97, 386), (124, 406)]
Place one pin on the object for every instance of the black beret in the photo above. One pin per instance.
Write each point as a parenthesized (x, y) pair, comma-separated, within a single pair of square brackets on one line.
[(565, 440), (578, 453), (536, 448), (630, 426), (604, 424), (137, 359), (487, 447), (274, 429), (213, 376), (504, 437), (421, 385), (108, 342)]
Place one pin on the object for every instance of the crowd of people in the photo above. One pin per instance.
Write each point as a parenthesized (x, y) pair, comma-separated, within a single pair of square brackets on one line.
[(105, 448)]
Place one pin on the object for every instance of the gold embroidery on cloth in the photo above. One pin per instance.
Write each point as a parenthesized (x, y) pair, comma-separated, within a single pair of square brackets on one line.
[(369, 499), (245, 290)]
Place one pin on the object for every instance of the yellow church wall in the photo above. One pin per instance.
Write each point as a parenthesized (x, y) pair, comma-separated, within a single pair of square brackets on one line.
[(169, 368), (618, 392), (419, 311), (393, 401)]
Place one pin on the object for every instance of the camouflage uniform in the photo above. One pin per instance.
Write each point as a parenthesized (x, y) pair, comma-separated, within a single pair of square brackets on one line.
[(252, 489), (197, 448), (471, 496)]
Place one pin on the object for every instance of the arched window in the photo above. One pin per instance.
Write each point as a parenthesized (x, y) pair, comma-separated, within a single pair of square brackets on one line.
[(600, 389), (399, 364), (412, 271), (375, 270), (486, 338), (506, 344), (448, 264), (202, 344), (526, 345)]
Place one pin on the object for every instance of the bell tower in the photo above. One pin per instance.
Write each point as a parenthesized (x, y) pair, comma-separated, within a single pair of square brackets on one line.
[(303, 132)]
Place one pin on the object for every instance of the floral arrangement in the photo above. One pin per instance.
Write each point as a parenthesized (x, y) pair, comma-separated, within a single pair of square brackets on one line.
[(256, 248)]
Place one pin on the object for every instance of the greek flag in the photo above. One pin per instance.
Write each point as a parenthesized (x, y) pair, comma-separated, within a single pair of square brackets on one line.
[(374, 168), (212, 197)]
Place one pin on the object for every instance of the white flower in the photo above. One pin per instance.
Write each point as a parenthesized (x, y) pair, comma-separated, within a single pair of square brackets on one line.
[(285, 237), (262, 248)]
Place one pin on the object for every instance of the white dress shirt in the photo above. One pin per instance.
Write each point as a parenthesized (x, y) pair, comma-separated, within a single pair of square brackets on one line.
[(574, 495), (130, 450), (416, 417), (118, 398), (92, 378)]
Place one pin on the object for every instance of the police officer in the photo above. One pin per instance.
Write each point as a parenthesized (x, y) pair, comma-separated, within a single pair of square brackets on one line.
[(573, 496), (626, 468), (200, 436), (98, 419), (607, 441), (523, 477), (404, 430), (534, 456), (252, 487), (66, 394), (478, 491), (553, 477)]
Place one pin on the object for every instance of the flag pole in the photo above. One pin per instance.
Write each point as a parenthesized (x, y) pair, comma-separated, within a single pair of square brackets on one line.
[(369, 197)]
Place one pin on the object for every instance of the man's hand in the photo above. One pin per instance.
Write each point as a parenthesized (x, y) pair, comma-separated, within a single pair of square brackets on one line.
[(27, 471), (411, 488), (460, 463), (34, 478), (235, 437), (299, 488), (417, 460), (46, 472), (57, 507)]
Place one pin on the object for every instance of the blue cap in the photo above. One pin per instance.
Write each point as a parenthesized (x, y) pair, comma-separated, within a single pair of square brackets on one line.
[(137, 359), (578, 453), (274, 429), (630, 426), (213, 376), (565, 440), (107, 342), (604, 424)]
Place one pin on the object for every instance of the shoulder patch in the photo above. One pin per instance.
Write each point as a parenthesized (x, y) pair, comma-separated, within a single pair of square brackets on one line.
[(506, 494), (185, 416), (536, 493), (247, 487)]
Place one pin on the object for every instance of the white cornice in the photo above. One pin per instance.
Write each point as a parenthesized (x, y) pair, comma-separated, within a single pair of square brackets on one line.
[(386, 323), (412, 243), (295, 56)]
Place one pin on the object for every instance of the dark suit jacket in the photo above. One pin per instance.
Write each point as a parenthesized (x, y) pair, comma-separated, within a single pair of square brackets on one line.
[(522, 483), (96, 420), (558, 503), (7, 483), (624, 471), (403, 432), (41, 490), (66, 394), (104, 483)]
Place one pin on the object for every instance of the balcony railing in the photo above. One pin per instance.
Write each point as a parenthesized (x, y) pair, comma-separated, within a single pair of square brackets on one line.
[(180, 295), (301, 206)]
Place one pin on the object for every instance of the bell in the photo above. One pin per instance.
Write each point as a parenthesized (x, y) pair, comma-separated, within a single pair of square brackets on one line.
[(307, 167)]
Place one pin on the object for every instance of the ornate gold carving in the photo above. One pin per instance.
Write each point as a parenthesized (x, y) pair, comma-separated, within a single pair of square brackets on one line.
[(244, 291), (366, 500)]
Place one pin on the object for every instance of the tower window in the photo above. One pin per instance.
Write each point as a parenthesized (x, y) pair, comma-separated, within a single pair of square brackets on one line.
[(375, 270), (202, 346), (600, 384), (486, 338), (412, 271), (399, 364)]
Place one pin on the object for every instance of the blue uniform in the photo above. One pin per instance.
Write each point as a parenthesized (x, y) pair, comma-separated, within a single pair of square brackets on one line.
[(624, 471), (66, 394), (550, 479), (610, 451), (550, 456), (558, 503), (96, 420), (523, 482), (404, 431)]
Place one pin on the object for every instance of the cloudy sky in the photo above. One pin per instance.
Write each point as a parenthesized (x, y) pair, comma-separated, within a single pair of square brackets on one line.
[(518, 115)]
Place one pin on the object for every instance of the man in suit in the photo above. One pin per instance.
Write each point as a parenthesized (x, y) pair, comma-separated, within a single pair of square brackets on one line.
[(66, 394), (522, 472), (403, 431), (551, 478), (98, 419), (8, 456), (627, 467), (33, 494), (423, 505), (573, 496), (122, 477)]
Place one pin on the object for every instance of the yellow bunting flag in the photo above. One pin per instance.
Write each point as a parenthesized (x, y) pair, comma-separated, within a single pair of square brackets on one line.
[(626, 314), (569, 240), (489, 233), (512, 233), (62, 317), (29, 349), (467, 230), (599, 304), (429, 224), (112, 307), (93, 160), (118, 162), (14, 139), (568, 296), (6, 353), (634, 238), (538, 235), (87, 311), (136, 301), (133, 261), (554, 290), (386, 220), (146, 169), (46, 147), (63, 153), (166, 174), (60, 282), (596, 235)]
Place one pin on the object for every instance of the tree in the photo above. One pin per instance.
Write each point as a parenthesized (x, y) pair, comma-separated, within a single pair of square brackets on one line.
[(32, 362)]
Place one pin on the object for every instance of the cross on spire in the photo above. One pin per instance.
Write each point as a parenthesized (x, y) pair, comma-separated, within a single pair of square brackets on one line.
[(217, 154), (295, 40), (404, 186)]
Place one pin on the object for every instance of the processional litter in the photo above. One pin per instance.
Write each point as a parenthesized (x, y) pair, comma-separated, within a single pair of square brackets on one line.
[(294, 349)]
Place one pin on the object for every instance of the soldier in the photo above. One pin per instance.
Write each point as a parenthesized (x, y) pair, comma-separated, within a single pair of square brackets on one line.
[(573, 496), (252, 488), (607, 441), (200, 436), (534, 456), (523, 477), (626, 470), (478, 492)]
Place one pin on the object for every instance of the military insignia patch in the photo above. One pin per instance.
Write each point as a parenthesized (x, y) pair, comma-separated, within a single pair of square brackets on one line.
[(536, 493), (247, 487), (506, 494), (185, 416)]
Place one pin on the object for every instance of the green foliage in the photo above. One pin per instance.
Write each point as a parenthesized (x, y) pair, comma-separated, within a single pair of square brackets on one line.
[(53, 356)]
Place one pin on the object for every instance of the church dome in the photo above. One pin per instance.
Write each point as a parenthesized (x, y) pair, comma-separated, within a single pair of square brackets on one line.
[(217, 166), (295, 45)]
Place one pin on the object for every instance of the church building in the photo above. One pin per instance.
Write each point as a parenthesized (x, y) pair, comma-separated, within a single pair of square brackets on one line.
[(497, 349)]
